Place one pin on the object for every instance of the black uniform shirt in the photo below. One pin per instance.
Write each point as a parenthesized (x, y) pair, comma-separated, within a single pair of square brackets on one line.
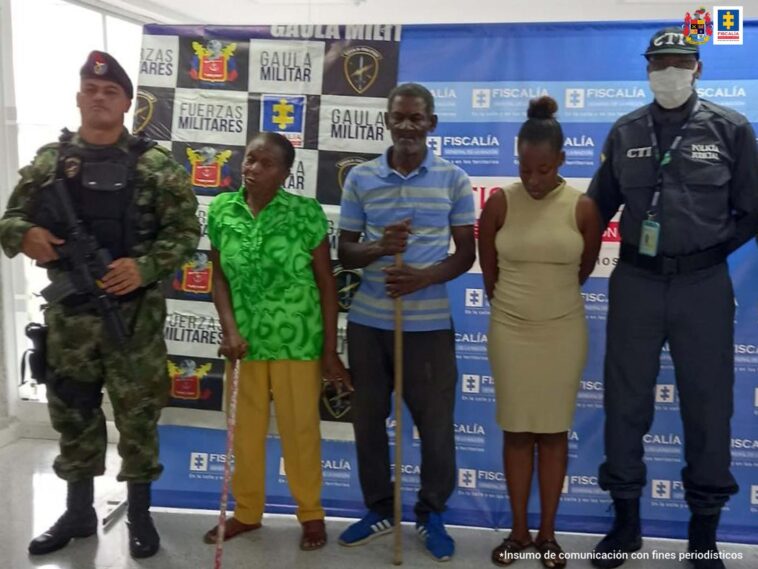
[(709, 194)]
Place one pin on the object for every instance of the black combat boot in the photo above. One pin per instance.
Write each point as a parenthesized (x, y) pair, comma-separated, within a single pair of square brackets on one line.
[(625, 535), (79, 520), (144, 540), (702, 536)]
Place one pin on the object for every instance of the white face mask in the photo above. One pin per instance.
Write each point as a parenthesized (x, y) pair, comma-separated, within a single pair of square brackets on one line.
[(672, 86)]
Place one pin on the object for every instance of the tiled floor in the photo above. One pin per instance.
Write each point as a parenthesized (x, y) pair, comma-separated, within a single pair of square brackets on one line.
[(31, 498)]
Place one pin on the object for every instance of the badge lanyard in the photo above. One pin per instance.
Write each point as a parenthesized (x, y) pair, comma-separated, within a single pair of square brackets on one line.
[(650, 227)]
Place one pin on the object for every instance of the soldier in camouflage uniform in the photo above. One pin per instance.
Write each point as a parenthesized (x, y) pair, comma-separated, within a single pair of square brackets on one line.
[(146, 220)]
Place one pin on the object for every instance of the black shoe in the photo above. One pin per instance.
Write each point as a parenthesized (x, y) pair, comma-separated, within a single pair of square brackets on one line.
[(624, 538), (144, 540), (79, 520), (702, 540)]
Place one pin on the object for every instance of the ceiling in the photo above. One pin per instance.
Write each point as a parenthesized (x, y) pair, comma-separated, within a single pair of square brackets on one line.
[(251, 12)]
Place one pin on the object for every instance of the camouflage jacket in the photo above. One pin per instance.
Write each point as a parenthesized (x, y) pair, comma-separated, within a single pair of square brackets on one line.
[(167, 228)]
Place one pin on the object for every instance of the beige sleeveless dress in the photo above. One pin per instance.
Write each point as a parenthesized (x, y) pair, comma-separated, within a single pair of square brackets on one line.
[(537, 340)]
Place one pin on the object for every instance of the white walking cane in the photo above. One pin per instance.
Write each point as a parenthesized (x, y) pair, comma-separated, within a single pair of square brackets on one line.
[(397, 497), (231, 419)]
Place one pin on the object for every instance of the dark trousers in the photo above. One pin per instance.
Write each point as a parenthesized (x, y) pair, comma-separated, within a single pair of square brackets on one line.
[(694, 312), (429, 378)]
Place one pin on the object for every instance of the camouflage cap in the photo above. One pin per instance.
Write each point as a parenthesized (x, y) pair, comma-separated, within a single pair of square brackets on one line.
[(101, 65), (671, 41)]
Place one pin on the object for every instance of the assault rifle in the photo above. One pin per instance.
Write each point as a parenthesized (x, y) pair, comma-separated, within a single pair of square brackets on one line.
[(87, 263)]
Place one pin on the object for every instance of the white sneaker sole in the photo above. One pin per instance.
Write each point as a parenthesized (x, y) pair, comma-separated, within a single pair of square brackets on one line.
[(374, 535)]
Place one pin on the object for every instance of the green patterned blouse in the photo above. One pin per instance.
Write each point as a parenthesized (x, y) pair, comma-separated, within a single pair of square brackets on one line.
[(267, 260)]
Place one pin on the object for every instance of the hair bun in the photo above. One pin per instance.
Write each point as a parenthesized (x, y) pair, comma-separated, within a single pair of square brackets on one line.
[(542, 108)]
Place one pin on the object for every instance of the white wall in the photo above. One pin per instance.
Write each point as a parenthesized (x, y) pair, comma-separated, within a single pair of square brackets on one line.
[(247, 12)]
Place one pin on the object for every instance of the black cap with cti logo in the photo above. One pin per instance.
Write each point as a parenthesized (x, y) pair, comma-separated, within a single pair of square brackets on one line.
[(671, 41), (101, 65)]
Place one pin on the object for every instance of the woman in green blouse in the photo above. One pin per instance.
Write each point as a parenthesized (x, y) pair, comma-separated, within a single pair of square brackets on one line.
[(275, 294)]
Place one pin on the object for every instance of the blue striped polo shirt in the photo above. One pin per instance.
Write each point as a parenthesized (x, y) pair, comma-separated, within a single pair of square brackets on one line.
[(435, 196)]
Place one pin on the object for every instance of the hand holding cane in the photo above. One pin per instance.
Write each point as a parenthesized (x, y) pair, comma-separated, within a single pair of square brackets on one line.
[(231, 419), (397, 498)]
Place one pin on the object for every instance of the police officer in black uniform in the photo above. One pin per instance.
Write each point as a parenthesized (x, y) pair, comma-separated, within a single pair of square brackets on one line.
[(686, 171)]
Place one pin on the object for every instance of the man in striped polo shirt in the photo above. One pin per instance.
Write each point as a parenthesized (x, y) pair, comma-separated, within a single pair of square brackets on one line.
[(406, 201)]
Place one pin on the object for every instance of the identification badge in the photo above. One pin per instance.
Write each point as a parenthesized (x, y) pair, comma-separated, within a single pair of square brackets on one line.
[(649, 238)]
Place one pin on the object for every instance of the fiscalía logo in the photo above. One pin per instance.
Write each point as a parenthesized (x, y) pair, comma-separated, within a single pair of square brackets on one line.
[(731, 91), (669, 439), (471, 338), (474, 298), (198, 462), (143, 114), (582, 141), (665, 393), (214, 62), (728, 28), (344, 166), (488, 140), (284, 114), (186, 379), (698, 27), (660, 489), (600, 297), (195, 275), (444, 93), (467, 478), (208, 167), (574, 98), (469, 429), (745, 444), (481, 98), (361, 67), (754, 494), (435, 144), (471, 383)]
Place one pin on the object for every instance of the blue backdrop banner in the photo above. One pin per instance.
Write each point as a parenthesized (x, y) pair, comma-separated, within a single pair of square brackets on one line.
[(482, 77)]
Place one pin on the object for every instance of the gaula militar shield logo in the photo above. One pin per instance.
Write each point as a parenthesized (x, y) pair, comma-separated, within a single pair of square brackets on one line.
[(143, 114), (336, 403), (361, 67), (343, 169)]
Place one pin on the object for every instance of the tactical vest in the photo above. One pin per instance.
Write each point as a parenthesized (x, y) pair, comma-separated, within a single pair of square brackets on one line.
[(101, 183)]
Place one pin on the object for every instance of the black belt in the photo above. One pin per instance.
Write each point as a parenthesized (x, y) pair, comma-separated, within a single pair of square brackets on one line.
[(664, 265)]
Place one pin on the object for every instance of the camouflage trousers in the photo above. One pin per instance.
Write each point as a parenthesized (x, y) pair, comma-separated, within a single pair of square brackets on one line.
[(83, 361)]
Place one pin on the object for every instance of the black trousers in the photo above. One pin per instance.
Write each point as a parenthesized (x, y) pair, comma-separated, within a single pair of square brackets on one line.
[(694, 313), (429, 378)]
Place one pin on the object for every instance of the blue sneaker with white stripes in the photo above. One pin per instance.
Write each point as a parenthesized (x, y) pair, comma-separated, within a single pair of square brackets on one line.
[(436, 539), (364, 530)]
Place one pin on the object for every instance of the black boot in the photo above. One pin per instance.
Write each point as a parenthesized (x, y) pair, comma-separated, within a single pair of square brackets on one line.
[(144, 540), (79, 520), (702, 537), (625, 535)]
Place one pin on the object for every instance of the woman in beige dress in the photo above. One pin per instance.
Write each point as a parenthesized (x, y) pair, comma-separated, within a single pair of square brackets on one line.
[(538, 242)]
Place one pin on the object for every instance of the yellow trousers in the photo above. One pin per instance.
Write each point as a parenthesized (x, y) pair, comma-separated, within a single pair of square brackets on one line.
[(295, 387)]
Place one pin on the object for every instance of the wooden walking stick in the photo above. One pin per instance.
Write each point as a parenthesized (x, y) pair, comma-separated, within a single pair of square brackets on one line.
[(398, 502), (231, 420)]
